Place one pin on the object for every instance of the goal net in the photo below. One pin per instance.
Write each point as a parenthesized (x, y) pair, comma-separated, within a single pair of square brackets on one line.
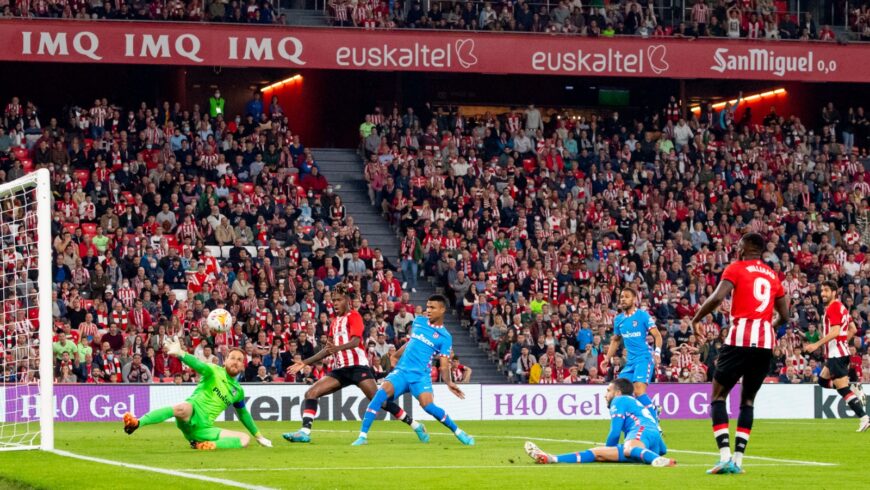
[(26, 359)]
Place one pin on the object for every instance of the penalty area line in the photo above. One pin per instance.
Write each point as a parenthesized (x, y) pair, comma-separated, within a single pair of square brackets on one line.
[(164, 471), (593, 443)]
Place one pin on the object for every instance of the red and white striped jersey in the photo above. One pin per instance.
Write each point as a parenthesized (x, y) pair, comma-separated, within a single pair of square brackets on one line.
[(342, 329), (837, 316), (756, 287)]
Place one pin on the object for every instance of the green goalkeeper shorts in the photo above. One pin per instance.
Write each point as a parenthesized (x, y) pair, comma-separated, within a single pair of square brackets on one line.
[(198, 428)]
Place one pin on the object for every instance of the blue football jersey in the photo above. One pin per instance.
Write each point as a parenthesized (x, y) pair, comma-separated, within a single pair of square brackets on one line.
[(632, 413), (633, 329), (426, 341)]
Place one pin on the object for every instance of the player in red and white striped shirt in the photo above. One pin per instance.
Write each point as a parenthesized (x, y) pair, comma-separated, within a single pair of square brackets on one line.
[(755, 292), (350, 367), (837, 329)]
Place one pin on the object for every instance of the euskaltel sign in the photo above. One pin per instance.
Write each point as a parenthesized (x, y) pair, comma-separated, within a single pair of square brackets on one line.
[(429, 51)]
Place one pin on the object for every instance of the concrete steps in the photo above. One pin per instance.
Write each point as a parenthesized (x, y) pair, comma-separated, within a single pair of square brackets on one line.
[(344, 170)]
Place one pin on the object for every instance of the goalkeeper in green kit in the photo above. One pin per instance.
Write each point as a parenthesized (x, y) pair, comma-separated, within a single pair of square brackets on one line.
[(217, 390)]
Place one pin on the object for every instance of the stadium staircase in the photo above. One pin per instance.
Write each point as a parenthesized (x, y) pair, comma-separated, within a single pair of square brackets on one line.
[(344, 170)]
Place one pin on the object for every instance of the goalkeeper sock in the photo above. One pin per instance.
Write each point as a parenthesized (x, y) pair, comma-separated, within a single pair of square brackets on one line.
[(648, 404), (852, 400), (719, 413), (155, 416), (441, 416), (400, 414), (584, 457), (643, 454), (372, 410), (228, 443), (309, 411)]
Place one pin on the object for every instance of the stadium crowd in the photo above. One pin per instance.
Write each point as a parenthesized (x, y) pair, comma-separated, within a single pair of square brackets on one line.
[(164, 213), (533, 222), (235, 11)]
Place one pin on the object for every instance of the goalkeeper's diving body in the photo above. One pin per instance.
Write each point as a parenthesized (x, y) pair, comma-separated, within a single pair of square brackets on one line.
[(217, 390), (642, 444)]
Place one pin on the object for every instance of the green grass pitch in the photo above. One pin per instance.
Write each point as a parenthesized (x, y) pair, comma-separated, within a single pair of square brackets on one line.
[(818, 454)]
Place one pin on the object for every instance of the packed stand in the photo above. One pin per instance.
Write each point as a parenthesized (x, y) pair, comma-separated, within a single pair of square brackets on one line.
[(161, 214), (532, 221), (859, 22), (766, 19), (236, 11)]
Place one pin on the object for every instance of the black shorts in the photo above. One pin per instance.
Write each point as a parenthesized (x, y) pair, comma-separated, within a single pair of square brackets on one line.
[(353, 375), (750, 363), (838, 367)]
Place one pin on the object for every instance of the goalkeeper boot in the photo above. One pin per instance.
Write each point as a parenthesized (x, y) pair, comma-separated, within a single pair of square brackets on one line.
[(539, 456), (131, 423), (421, 433), (297, 436), (465, 438), (205, 446)]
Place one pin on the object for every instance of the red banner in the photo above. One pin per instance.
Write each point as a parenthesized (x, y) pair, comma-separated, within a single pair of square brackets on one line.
[(412, 50)]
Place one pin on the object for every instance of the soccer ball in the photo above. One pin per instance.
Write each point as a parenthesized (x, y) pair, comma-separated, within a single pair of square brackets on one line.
[(220, 320)]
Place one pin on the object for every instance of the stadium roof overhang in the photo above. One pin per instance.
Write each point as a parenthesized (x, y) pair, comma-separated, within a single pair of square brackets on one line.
[(427, 51)]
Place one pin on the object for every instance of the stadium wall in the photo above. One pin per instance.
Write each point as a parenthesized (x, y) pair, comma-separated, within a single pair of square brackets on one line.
[(277, 402)]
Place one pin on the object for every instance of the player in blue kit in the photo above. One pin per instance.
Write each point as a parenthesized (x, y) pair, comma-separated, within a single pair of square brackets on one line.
[(631, 327), (642, 443), (412, 373)]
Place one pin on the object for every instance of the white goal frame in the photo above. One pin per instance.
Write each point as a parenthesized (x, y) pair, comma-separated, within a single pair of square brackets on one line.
[(41, 181)]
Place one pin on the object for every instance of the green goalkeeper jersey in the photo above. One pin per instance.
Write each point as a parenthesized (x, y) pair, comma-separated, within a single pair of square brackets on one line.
[(216, 389)]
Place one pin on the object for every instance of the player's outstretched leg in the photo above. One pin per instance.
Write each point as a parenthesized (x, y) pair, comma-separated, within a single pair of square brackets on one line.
[(131, 423), (309, 411), (617, 454), (227, 439), (372, 410), (854, 397), (440, 415), (402, 415)]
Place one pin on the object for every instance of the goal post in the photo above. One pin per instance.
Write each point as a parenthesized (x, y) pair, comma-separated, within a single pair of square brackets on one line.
[(27, 362)]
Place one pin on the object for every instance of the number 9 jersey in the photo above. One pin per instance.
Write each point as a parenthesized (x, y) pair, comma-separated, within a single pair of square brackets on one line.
[(756, 288)]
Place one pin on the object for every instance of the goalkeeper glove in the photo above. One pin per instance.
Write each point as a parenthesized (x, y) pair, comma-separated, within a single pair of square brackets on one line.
[(263, 441), (173, 347)]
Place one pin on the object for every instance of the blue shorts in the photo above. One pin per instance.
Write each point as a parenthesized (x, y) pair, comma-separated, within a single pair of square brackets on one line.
[(651, 439), (638, 371), (403, 382)]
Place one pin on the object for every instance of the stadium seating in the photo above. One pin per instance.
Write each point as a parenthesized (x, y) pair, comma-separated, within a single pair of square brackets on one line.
[(569, 189)]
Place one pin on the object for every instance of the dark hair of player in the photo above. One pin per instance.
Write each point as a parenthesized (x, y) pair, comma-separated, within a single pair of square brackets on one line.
[(623, 386), (342, 289), (754, 242), (832, 285), (630, 290), (439, 299)]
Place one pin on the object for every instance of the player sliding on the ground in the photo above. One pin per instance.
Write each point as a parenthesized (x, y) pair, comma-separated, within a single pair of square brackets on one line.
[(755, 291), (217, 390), (412, 373), (642, 444), (351, 367), (838, 328), (631, 327)]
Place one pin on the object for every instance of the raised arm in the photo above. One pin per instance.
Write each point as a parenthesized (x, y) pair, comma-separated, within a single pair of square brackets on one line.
[(173, 348)]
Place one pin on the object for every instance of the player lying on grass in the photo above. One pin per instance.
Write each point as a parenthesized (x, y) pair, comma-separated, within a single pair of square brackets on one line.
[(217, 390), (642, 444), (412, 373), (351, 367), (838, 329)]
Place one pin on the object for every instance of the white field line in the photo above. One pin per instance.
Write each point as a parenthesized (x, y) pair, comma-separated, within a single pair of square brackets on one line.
[(593, 443), (175, 473), (452, 467)]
